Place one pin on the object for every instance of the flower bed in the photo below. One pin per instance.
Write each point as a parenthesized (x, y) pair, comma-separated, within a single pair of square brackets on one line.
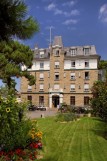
[(29, 153), (20, 138)]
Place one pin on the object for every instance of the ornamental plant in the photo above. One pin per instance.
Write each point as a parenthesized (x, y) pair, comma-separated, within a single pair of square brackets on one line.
[(16, 133)]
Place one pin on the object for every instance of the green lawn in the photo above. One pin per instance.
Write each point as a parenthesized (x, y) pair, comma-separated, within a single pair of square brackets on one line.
[(75, 141)]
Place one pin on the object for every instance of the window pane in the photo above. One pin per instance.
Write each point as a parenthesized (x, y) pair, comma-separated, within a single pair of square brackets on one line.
[(29, 88), (86, 100), (72, 100), (56, 86), (72, 75), (41, 86), (72, 63), (41, 75), (72, 87), (41, 100), (41, 65)]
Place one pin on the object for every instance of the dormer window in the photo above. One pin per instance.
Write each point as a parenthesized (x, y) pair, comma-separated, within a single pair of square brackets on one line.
[(41, 54), (73, 52), (86, 51), (56, 52)]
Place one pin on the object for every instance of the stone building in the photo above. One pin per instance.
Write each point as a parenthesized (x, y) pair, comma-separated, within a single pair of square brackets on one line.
[(63, 74)]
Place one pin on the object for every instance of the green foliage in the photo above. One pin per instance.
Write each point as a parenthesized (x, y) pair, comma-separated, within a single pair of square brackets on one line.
[(14, 126), (12, 56), (103, 64), (99, 100), (65, 117), (14, 20), (15, 23)]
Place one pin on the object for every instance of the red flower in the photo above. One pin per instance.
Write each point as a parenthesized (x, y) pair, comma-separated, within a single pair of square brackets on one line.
[(18, 151), (1, 153), (34, 145)]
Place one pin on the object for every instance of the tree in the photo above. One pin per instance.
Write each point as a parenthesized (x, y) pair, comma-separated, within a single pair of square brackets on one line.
[(12, 56), (99, 100), (14, 20)]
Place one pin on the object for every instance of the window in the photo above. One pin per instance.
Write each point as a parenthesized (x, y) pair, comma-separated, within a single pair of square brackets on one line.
[(86, 75), (41, 87), (56, 76), (41, 75), (72, 76), (57, 64), (29, 88), (73, 52), (64, 75), (29, 98), (72, 63), (41, 54), (86, 51), (86, 87), (72, 100), (57, 53), (72, 87), (41, 64), (56, 86), (86, 63), (41, 100), (86, 100)]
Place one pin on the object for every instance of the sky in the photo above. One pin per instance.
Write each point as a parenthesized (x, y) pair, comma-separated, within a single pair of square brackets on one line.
[(79, 22)]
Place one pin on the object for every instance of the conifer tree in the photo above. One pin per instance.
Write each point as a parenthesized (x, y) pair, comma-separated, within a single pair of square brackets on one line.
[(14, 22)]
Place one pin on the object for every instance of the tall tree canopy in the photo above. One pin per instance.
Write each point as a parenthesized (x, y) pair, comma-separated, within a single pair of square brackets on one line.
[(99, 100), (12, 56), (14, 20)]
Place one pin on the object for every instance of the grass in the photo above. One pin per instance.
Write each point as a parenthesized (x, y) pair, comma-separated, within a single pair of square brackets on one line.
[(74, 141)]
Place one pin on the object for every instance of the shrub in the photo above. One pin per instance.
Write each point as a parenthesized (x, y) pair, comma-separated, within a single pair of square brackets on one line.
[(66, 117)]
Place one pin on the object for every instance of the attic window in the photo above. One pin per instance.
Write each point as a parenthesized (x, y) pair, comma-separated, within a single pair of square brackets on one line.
[(57, 53)]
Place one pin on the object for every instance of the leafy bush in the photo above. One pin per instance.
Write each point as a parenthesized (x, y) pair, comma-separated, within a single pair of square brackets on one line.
[(66, 117)]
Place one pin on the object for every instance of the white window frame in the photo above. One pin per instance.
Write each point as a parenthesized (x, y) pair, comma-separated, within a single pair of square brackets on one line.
[(87, 76), (72, 64), (72, 87), (86, 87), (41, 87), (72, 77), (86, 51), (73, 52), (29, 88), (42, 54), (41, 65), (57, 74), (56, 86), (56, 64), (41, 75), (86, 63)]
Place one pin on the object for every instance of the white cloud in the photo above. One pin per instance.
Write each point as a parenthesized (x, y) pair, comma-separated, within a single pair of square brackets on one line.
[(74, 12), (70, 21), (50, 7), (58, 12), (103, 13), (71, 3)]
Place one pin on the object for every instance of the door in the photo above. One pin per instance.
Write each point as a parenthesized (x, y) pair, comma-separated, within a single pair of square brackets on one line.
[(55, 101)]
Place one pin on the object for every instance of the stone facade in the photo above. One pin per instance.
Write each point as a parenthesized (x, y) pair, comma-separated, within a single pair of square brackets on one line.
[(63, 74)]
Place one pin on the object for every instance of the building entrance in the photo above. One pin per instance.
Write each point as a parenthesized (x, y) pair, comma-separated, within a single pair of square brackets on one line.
[(55, 101)]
